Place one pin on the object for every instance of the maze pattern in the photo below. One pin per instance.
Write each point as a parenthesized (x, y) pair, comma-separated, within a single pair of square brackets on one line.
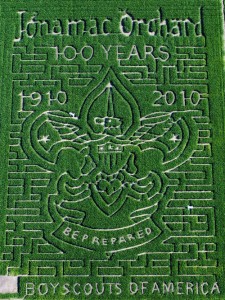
[(188, 245), (38, 65), (186, 65), (41, 66)]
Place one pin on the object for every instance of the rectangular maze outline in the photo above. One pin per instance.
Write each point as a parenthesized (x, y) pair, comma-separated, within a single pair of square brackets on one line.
[(204, 146)]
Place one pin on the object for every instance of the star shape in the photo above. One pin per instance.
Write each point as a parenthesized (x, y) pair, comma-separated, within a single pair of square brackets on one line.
[(175, 138), (44, 139)]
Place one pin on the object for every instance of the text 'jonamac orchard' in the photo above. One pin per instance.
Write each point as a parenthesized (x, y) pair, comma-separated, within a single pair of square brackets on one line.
[(30, 26)]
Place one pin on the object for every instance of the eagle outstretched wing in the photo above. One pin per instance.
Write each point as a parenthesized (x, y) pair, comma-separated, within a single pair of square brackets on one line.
[(153, 127), (172, 133), (67, 126), (50, 132)]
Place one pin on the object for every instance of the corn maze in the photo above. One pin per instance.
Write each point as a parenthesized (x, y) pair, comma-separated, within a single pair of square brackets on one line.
[(112, 159)]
